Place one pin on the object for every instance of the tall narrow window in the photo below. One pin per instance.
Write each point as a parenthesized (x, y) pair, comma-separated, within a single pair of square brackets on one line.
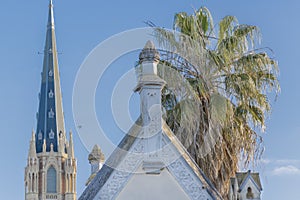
[(51, 180), (33, 183)]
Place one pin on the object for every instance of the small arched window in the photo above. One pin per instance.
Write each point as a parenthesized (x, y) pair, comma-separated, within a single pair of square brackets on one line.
[(249, 194), (51, 180), (33, 183)]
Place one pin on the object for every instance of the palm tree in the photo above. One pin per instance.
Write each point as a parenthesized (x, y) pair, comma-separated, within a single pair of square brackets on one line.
[(220, 118)]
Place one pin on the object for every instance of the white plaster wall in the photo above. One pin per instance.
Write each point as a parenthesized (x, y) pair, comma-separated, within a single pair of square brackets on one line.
[(149, 187)]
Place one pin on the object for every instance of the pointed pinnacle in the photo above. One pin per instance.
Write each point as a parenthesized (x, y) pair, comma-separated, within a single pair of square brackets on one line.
[(44, 146), (33, 136), (96, 154), (149, 53), (149, 45), (51, 16)]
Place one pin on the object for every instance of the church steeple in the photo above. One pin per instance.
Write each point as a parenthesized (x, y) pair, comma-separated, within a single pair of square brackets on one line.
[(50, 124), (51, 169)]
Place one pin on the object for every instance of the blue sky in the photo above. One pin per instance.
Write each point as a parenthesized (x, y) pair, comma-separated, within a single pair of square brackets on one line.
[(82, 25)]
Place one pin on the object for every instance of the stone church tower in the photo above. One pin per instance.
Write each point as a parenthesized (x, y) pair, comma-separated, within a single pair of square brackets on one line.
[(51, 166)]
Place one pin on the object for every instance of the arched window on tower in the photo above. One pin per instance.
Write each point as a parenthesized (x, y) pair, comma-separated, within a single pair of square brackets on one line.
[(33, 182), (51, 180), (249, 194)]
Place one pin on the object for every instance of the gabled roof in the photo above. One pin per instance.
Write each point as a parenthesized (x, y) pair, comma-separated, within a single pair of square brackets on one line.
[(187, 157), (243, 177), (125, 146)]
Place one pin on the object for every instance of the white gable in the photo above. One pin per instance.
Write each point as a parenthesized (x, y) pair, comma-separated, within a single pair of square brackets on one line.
[(177, 176), (152, 186), (251, 186)]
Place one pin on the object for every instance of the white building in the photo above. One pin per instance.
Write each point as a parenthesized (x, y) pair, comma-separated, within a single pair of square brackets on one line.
[(245, 185), (150, 162)]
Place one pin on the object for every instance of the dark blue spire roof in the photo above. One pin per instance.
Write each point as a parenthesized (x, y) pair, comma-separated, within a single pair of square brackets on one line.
[(50, 124)]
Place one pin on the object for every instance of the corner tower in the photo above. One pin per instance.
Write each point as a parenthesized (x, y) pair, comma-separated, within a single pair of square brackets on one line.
[(51, 166)]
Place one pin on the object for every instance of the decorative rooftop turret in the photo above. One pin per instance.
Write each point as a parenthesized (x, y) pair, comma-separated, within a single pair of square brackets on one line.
[(96, 159), (150, 86), (50, 119)]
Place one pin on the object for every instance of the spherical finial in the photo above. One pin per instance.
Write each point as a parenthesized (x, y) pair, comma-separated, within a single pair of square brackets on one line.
[(149, 53)]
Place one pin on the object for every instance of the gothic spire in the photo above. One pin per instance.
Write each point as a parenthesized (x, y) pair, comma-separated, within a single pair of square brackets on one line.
[(50, 124)]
